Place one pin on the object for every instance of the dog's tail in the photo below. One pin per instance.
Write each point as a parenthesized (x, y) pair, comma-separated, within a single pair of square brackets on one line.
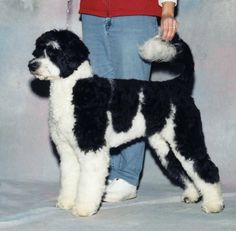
[(175, 52)]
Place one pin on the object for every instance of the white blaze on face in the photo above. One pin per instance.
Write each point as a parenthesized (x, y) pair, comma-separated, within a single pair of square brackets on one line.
[(54, 44)]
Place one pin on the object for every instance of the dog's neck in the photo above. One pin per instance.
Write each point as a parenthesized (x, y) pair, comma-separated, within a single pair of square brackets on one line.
[(82, 72), (65, 85)]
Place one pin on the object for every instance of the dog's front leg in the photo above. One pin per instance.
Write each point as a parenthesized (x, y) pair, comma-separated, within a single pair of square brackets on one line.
[(69, 176), (93, 172)]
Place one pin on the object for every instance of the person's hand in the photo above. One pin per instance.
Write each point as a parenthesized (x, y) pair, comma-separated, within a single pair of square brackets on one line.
[(168, 27), (168, 22)]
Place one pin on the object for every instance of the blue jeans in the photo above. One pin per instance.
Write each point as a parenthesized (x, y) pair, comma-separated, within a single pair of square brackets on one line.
[(113, 44)]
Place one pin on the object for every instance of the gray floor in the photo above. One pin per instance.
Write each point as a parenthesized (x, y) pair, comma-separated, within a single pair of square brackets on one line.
[(30, 206)]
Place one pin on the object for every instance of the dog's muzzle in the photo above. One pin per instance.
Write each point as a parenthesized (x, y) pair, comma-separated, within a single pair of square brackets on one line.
[(33, 65)]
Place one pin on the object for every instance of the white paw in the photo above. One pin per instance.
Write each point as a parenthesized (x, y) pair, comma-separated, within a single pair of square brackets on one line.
[(84, 210), (213, 207), (191, 195), (65, 203), (212, 199)]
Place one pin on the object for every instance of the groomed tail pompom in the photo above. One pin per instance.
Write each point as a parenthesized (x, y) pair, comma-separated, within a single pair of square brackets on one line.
[(155, 49)]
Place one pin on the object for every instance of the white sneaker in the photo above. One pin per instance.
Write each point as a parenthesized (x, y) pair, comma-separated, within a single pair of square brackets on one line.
[(119, 190)]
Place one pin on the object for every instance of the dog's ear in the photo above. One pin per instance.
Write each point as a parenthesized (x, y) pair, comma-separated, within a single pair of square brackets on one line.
[(83, 50), (74, 50), (78, 49)]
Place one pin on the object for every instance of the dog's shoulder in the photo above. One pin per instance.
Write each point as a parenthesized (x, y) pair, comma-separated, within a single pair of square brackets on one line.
[(91, 92)]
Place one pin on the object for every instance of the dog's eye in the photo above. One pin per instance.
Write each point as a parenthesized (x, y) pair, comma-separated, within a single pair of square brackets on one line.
[(50, 51)]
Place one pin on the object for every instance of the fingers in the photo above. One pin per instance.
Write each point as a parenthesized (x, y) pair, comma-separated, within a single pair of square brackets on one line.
[(168, 28)]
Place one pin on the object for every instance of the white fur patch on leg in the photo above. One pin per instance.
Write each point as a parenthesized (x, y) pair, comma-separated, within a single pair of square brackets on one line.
[(190, 194), (212, 200), (155, 49), (161, 148), (93, 173), (69, 169)]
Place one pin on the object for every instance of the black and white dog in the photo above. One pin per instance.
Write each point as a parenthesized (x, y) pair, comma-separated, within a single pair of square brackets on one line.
[(89, 115)]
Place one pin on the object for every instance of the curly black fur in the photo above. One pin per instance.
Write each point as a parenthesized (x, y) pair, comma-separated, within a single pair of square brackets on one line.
[(90, 99)]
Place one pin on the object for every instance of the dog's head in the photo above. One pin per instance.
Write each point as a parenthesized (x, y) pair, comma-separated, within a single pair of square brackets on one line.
[(57, 55)]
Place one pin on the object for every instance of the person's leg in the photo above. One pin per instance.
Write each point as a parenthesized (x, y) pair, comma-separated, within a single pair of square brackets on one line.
[(95, 37), (125, 36), (113, 45)]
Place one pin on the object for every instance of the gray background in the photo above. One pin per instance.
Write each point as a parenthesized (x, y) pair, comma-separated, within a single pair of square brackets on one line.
[(25, 148), (28, 168)]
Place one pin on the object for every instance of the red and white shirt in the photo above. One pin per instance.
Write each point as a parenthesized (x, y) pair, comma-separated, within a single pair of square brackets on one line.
[(112, 8)]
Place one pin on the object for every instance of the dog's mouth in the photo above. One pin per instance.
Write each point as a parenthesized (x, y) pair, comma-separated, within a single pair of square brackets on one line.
[(40, 77), (43, 69)]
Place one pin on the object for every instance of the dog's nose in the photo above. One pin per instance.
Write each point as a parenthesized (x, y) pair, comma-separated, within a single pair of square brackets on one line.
[(33, 66)]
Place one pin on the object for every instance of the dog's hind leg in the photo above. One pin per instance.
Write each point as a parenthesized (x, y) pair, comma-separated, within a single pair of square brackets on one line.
[(183, 132), (93, 172), (173, 168), (69, 176)]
